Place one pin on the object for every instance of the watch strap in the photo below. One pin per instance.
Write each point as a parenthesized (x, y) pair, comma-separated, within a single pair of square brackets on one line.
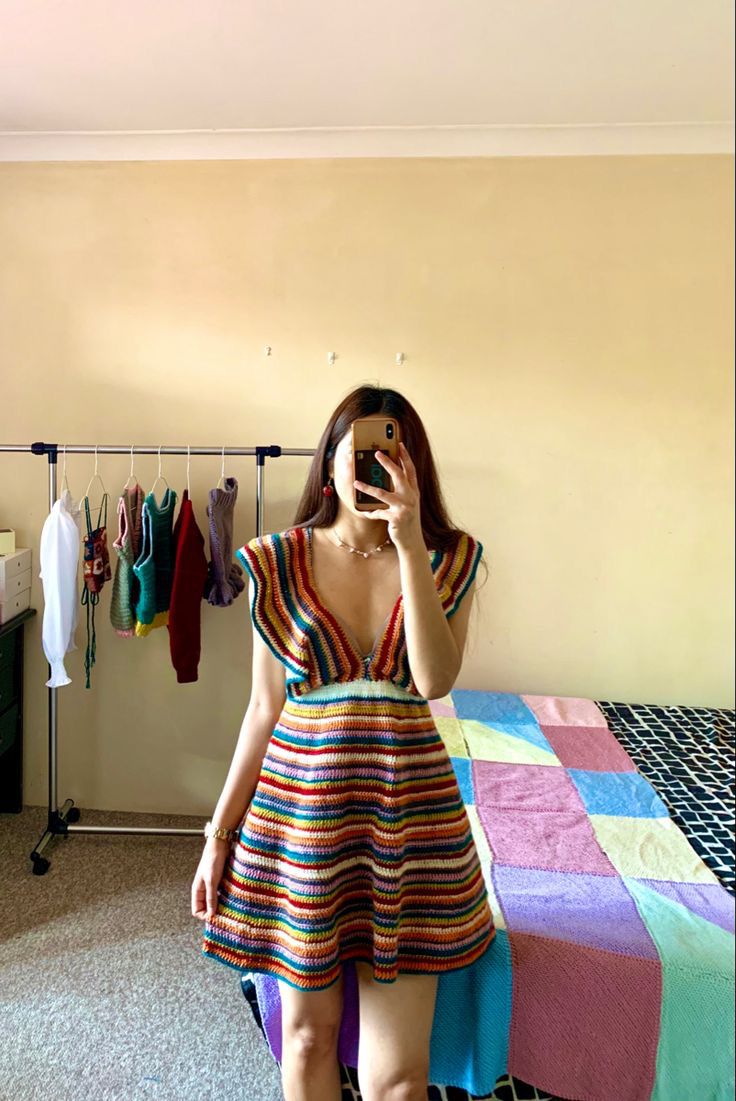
[(221, 832)]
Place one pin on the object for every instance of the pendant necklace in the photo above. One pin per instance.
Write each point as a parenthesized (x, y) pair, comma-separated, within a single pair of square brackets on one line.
[(356, 550)]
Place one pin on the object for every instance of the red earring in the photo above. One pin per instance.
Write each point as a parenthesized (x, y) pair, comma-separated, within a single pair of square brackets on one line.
[(327, 489)]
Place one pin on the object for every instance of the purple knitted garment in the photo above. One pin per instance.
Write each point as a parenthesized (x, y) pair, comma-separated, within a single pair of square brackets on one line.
[(224, 577)]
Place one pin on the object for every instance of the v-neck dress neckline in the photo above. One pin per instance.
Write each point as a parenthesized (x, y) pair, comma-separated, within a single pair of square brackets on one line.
[(316, 647), (337, 620)]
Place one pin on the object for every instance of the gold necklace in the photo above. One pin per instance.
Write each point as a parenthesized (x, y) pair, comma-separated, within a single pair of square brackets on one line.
[(356, 550)]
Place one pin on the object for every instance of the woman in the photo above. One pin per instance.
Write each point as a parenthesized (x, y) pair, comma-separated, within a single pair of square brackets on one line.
[(356, 843)]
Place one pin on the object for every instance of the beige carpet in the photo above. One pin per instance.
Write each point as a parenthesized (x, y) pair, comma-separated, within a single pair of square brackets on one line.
[(104, 992)]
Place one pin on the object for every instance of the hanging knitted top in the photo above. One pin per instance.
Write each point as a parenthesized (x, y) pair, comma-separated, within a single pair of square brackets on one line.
[(96, 571), (155, 565), (125, 586), (224, 577), (185, 613)]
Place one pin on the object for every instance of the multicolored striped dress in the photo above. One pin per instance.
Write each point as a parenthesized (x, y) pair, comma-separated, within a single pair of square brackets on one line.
[(356, 843)]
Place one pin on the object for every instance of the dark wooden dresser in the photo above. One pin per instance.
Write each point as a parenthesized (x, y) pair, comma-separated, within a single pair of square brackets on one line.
[(11, 712)]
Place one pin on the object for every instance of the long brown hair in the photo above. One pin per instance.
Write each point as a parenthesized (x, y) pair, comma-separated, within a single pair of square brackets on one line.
[(315, 509)]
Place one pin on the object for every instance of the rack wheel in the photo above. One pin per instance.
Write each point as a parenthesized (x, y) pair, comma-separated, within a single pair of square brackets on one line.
[(73, 814), (40, 864)]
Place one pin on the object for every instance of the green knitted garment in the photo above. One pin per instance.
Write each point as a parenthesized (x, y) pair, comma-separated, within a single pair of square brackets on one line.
[(155, 566)]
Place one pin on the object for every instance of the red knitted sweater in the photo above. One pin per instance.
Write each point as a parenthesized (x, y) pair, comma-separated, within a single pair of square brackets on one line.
[(185, 609)]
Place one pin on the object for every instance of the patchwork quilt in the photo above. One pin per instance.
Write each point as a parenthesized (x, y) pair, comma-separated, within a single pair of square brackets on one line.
[(611, 975)]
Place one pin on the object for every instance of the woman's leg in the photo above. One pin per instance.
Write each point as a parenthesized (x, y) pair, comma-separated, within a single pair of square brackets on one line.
[(310, 1022), (395, 1028)]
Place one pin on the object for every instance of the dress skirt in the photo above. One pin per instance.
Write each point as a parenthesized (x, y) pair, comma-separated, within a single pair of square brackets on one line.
[(356, 845)]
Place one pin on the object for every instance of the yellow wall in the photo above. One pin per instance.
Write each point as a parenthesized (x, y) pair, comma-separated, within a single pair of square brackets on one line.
[(567, 328)]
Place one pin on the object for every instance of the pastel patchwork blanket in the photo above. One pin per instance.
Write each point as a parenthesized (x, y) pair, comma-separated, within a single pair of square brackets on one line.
[(611, 974)]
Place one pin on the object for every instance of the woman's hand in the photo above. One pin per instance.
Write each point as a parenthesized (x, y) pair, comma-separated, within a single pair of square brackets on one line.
[(403, 513), (207, 878)]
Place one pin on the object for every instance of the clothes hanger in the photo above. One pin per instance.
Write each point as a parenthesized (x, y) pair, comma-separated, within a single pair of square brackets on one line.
[(220, 484), (160, 477), (96, 475), (189, 488), (64, 480), (127, 485)]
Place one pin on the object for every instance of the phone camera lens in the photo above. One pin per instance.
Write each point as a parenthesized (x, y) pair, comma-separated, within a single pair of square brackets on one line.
[(389, 431)]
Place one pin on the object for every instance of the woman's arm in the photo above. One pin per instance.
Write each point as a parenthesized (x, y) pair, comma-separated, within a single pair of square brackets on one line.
[(268, 694), (434, 643), (245, 767)]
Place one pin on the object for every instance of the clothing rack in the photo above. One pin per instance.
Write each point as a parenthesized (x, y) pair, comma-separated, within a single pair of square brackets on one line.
[(64, 819)]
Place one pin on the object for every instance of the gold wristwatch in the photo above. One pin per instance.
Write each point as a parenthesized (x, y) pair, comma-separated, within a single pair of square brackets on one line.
[(219, 831)]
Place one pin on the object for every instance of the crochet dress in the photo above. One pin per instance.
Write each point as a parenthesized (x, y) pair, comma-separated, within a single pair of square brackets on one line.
[(356, 843)]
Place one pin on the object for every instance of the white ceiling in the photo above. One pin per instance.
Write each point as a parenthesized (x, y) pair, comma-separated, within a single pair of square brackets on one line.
[(171, 79)]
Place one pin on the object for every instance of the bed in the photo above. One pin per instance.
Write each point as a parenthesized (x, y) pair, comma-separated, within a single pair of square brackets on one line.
[(605, 836)]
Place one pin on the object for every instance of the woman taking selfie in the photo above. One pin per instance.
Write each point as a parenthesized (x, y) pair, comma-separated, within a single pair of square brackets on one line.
[(343, 834)]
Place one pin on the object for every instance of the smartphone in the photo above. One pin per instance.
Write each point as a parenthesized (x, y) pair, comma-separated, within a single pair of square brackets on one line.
[(371, 434)]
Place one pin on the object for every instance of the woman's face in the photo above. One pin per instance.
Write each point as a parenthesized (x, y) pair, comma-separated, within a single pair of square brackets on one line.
[(342, 468)]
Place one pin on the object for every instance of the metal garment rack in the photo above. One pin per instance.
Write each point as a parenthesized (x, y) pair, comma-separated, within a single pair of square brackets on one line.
[(63, 820)]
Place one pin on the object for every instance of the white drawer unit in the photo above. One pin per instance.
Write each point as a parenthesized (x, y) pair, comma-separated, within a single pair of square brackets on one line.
[(14, 586), (11, 565), (15, 583), (14, 606)]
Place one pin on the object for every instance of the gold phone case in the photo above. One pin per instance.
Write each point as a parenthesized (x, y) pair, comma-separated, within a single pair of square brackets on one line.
[(368, 436)]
